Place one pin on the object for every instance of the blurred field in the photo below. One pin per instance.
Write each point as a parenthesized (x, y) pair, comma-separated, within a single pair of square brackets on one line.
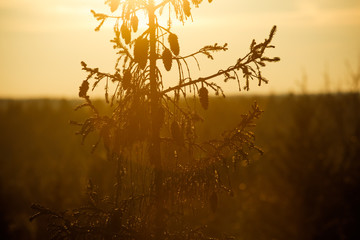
[(305, 186)]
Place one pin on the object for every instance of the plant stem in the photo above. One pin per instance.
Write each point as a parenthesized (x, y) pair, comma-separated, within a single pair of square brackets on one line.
[(155, 155)]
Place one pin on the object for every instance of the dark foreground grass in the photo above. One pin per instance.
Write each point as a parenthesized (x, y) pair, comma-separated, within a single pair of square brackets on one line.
[(305, 186)]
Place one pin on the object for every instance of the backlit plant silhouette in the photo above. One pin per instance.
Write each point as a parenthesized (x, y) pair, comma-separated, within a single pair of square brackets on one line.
[(163, 175)]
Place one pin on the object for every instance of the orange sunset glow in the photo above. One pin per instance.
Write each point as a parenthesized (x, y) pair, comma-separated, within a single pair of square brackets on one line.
[(43, 42), (180, 119)]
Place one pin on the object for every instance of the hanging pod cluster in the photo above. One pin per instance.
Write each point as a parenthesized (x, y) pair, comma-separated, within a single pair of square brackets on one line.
[(134, 23), (197, 2), (114, 4), (175, 49), (186, 6), (83, 89), (204, 97), (141, 49), (126, 79), (167, 59), (174, 44), (125, 33)]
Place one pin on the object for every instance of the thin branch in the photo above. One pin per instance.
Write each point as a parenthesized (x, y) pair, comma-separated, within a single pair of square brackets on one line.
[(201, 79)]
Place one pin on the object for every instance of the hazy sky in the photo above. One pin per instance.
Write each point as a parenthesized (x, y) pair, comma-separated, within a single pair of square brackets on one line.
[(43, 41)]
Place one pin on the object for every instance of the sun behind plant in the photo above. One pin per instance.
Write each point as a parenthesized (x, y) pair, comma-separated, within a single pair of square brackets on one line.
[(162, 173)]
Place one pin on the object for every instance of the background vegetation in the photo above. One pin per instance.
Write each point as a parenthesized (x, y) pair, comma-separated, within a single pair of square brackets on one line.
[(305, 186)]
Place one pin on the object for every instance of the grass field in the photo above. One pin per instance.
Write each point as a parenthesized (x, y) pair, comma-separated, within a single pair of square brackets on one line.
[(305, 185)]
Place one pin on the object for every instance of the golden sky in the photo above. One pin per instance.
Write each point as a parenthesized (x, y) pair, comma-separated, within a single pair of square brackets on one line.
[(43, 41)]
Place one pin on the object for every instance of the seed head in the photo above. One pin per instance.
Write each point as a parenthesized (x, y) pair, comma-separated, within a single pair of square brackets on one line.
[(174, 44), (167, 59), (125, 33), (196, 2), (134, 23), (114, 4), (186, 7), (126, 79), (204, 97), (83, 89), (141, 48)]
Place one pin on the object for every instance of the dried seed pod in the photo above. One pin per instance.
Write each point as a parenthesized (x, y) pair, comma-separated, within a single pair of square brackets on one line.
[(126, 79), (134, 23), (186, 8), (83, 89), (213, 202), (123, 30), (114, 4), (177, 133), (204, 97), (196, 2), (167, 59), (106, 96), (174, 44), (125, 33), (141, 48)]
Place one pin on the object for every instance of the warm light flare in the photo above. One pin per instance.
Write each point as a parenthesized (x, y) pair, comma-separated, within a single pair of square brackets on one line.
[(48, 27)]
